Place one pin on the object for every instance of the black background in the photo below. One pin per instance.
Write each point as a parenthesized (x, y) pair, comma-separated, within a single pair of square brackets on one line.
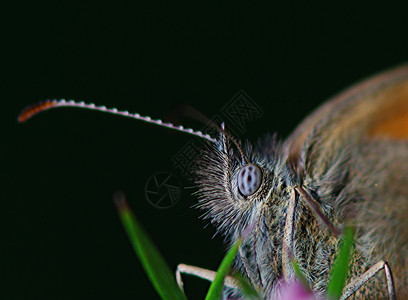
[(61, 237)]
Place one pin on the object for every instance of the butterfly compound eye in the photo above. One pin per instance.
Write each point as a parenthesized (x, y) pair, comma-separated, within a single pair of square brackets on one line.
[(249, 179)]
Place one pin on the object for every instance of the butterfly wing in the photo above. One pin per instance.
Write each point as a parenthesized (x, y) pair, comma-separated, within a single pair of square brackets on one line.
[(376, 108), (362, 135)]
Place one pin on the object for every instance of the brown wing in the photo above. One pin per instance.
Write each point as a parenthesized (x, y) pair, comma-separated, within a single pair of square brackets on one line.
[(370, 122), (375, 108)]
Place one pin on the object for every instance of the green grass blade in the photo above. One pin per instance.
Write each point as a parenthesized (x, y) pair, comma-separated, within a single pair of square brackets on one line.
[(300, 276), (155, 266), (339, 273), (216, 287), (246, 288)]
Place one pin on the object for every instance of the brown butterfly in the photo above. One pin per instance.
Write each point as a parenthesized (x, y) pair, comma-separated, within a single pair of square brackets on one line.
[(345, 164)]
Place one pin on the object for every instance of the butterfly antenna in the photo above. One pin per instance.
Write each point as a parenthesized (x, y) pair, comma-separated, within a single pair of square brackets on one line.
[(34, 109), (199, 116), (232, 139)]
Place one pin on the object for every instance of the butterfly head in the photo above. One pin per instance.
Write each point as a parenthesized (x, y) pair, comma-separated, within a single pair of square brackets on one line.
[(237, 184)]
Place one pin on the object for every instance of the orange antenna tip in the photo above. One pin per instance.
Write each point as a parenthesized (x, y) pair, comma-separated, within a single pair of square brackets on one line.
[(34, 109), (42, 106)]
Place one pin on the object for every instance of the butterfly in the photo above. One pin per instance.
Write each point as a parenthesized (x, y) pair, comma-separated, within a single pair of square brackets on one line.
[(345, 164)]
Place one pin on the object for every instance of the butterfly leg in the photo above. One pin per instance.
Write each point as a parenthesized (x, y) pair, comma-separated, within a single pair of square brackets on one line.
[(355, 284), (209, 275), (287, 243), (289, 229), (315, 208)]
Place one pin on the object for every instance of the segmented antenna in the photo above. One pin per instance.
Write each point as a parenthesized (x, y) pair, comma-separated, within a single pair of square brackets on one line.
[(230, 136), (34, 109)]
